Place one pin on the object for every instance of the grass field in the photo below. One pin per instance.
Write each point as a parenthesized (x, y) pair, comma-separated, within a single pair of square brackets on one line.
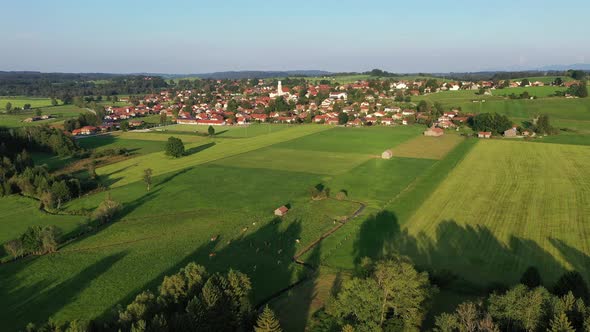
[(18, 213), (60, 114), (507, 206), (427, 147), (476, 207), (228, 131), (21, 101)]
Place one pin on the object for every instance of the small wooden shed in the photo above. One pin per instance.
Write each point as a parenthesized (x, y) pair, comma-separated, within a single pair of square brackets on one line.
[(281, 211)]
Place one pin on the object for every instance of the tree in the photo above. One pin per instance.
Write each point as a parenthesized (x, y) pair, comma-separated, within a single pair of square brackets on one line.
[(267, 322), (8, 106), (393, 296), (38, 112), (124, 125), (60, 191), (560, 323), (91, 166), (14, 248), (574, 282), (342, 118), (49, 239), (147, 178), (525, 82), (174, 147), (531, 277), (27, 106), (163, 118), (494, 122), (520, 306), (558, 81), (53, 102), (542, 125), (404, 290), (356, 304), (423, 106), (582, 89), (106, 210), (211, 130)]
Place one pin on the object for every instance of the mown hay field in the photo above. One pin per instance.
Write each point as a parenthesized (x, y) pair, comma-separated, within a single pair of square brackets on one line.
[(507, 206)]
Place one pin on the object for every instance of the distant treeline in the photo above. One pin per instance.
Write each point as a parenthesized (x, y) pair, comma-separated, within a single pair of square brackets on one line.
[(64, 86), (509, 75)]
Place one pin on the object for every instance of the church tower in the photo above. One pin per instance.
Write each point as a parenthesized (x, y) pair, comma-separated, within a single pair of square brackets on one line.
[(280, 89)]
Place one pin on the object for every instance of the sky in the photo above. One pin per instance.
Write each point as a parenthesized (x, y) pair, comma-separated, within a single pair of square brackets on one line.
[(200, 36)]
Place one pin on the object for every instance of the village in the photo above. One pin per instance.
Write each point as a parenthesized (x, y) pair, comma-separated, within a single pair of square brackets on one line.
[(362, 103)]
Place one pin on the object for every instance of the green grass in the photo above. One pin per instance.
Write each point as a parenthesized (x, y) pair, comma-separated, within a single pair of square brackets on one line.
[(544, 79), (377, 230), (111, 141), (575, 139), (228, 131), (199, 153), (507, 206), (21, 101), (428, 147), (365, 140), (157, 234), (18, 213), (60, 114), (537, 91), (317, 162), (477, 207)]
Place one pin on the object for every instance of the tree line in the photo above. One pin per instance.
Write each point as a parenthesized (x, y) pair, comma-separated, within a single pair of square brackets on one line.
[(19, 174), (387, 295), (65, 86)]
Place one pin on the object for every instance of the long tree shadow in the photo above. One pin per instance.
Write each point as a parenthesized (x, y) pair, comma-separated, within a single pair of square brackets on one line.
[(463, 257), (264, 253), (42, 299), (199, 148), (578, 260)]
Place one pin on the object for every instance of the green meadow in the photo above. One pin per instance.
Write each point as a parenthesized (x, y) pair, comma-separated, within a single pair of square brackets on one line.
[(59, 113), (478, 208), (21, 101)]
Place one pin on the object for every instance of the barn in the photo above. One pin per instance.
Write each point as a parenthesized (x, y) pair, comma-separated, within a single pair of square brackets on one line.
[(434, 132), (281, 211)]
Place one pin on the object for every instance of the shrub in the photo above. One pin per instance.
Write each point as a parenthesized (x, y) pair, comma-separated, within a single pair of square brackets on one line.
[(106, 210)]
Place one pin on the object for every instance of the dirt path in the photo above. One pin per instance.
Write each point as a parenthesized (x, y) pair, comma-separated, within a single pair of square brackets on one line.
[(312, 245)]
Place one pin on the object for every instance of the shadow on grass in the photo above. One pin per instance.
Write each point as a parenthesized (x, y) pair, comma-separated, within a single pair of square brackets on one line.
[(198, 149), (263, 251), (41, 300), (465, 258)]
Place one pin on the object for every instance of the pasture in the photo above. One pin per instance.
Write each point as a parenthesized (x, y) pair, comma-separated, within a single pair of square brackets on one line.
[(162, 229), (21, 101), (18, 213), (476, 207), (227, 131), (59, 113)]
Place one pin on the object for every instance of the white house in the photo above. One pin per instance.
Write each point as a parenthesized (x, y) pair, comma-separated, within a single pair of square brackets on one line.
[(338, 95)]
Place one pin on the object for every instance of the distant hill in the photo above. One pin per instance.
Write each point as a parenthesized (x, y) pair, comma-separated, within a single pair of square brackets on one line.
[(260, 74), (578, 66)]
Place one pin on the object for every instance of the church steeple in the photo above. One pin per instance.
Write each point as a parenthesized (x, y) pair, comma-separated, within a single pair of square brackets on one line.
[(280, 89)]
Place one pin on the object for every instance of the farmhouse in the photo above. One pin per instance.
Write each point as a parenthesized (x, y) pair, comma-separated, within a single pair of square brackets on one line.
[(510, 132), (434, 132), (387, 154), (281, 211), (484, 134)]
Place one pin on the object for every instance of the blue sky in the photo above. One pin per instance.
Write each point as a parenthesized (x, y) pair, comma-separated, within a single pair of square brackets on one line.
[(202, 36)]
